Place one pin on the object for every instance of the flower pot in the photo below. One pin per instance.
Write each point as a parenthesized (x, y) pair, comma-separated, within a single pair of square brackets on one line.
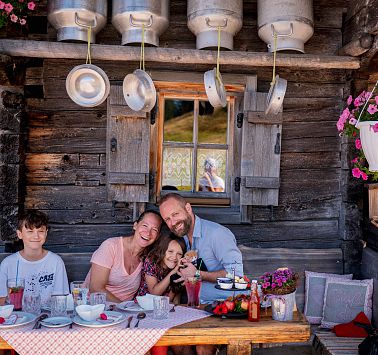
[(283, 306), (369, 141)]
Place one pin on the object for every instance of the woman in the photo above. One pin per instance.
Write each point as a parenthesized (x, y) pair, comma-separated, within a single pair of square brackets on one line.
[(117, 263), (210, 181), (161, 264)]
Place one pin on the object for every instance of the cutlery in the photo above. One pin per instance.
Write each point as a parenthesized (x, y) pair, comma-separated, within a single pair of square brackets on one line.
[(70, 327), (140, 316), (129, 321), (173, 309), (38, 321)]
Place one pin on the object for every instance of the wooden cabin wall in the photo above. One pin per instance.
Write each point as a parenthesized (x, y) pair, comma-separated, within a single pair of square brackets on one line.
[(65, 153)]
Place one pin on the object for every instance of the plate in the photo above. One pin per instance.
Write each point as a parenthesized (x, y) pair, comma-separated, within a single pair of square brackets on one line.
[(113, 319), (22, 319), (231, 289), (209, 309), (56, 322), (131, 306)]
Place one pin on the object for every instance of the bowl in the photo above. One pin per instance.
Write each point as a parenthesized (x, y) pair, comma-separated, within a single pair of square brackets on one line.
[(90, 313), (146, 301), (6, 311), (241, 285), (225, 283)]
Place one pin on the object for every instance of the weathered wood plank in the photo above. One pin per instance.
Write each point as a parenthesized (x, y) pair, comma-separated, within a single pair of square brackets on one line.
[(118, 53), (309, 160), (54, 105), (308, 129), (306, 145)]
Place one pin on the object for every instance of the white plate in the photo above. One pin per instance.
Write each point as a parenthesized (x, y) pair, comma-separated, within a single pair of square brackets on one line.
[(56, 322), (131, 306), (113, 318), (22, 319)]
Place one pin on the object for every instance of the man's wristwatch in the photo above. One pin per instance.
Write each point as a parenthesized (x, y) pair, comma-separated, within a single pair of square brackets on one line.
[(197, 274)]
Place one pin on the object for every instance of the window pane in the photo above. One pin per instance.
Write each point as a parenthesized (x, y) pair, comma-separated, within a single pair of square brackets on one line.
[(212, 124), (177, 169), (211, 170), (178, 121)]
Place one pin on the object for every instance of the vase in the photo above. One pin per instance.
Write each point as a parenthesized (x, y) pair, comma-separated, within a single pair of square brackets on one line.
[(283, 307), (369, 141)]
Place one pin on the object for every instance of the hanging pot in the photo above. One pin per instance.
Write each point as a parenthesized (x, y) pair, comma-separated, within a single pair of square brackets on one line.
[(214, 87), (87, 85), (139, 91), (369, 141), (276, 96)]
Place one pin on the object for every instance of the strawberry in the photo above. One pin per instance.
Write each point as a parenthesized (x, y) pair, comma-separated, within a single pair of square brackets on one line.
[(224, 309), (103, 316), (244, 305), (2, 320), (230, 305)]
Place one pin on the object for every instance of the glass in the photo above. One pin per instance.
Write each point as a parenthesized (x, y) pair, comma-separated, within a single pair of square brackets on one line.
[(177, 169), (161, 307), (178, 120), (211, 170), (79, 293), (193, 289), (32, 303), (16, 292), (98, 298), (212, 123), (58, 306)]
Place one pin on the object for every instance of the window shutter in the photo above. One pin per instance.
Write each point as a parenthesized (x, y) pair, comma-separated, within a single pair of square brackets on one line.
[(127, 151), (261, 150)]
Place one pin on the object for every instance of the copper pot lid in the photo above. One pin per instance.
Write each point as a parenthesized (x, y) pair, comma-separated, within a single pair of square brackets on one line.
[(87, 85), (274, 100), (139, 91), (214, 87)]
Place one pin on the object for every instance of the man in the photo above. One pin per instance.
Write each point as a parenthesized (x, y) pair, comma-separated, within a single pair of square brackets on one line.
[(216, 245)]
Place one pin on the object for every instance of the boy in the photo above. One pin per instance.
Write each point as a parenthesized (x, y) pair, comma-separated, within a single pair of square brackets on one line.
[(43, 271)]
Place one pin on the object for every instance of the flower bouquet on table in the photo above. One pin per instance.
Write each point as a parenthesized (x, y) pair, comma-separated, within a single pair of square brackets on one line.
[(279, 287), (359, 120)]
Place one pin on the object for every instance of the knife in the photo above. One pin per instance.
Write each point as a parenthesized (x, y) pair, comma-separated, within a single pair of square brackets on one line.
[(129, 321)]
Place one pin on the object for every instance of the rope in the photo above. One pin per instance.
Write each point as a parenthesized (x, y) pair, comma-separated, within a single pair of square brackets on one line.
[(141, 63), (89, 32), (274, 60), (218, 55), (366, 102)]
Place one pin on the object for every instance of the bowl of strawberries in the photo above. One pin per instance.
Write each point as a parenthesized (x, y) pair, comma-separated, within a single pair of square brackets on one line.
[(232, 307)]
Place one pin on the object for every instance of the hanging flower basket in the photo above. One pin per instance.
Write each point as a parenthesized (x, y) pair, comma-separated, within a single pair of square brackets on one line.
[(369, 142)]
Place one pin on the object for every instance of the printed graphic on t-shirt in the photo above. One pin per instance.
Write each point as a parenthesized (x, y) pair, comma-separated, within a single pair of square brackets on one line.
[(39, 282)]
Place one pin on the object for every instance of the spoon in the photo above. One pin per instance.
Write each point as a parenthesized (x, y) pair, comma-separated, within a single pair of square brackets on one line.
[(38, 321), (140, 316)]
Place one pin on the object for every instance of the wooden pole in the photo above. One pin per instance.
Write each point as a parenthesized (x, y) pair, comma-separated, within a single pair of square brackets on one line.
[(42, 49)]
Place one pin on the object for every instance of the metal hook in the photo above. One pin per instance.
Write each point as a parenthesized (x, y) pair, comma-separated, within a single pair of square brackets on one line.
[(142, 22), (274, 33), (83, 24), (216, 26)]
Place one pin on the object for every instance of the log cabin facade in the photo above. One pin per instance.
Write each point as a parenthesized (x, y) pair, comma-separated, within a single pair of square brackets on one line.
[(57, 156)]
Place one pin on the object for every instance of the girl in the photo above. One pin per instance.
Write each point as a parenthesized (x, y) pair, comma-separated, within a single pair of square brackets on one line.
[(160, 264)]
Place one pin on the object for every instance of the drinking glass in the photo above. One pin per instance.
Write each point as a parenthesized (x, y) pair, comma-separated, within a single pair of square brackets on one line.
[(32, 303), (161, 307), (59, 306), (193, 288), (98, 298), (79, 293), (16, 292)]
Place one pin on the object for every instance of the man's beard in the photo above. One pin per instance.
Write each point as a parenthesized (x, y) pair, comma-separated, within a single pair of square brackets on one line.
[(187, 222)]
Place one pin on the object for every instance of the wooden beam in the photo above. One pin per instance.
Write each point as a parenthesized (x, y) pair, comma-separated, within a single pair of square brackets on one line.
[(42, 49), (358, 46)]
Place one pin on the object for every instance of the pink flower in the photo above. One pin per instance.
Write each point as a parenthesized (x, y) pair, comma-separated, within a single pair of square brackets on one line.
[(357, 102), (345, 115), (22, 22), (356, 172), (350, 100), (376, 99), (8, 8), (2, 4), (31, 5), (358, 144), (375, 128), (13, 18), (372, 109), (355, 160), (340, 125), (364, 176), (352, 121)]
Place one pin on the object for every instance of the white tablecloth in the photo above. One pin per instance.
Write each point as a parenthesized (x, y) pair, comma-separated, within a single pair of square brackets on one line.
[(110, 340)]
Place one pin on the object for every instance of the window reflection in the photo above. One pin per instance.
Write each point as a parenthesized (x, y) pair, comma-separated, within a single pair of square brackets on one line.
[(211, 170), (178, 121), (212, 124)]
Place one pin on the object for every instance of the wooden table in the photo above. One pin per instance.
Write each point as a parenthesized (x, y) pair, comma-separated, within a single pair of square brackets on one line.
[(237, 334)]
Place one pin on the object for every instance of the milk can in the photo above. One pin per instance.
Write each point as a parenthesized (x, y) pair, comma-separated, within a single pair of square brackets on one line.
[(72, 18), (130, 16), (291, 20), (205, 16)]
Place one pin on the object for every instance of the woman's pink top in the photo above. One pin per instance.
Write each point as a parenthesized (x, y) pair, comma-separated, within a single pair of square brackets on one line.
[(120, 283)]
